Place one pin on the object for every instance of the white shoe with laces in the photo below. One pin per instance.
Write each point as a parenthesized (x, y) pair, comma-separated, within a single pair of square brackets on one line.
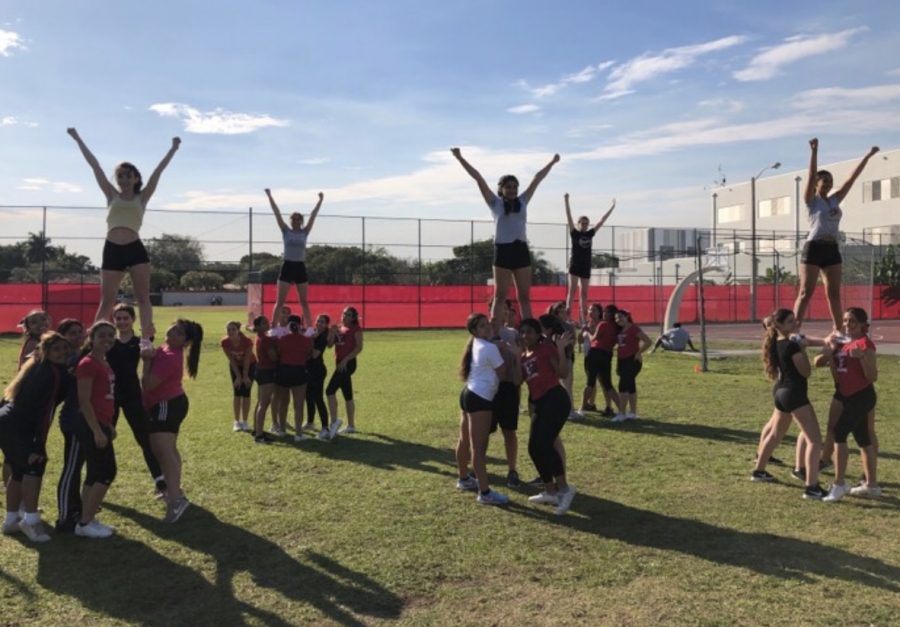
[(619, 418), (565, 500), (866, 491), (544, 498), (837, 492), (34, 532), (93, 530)]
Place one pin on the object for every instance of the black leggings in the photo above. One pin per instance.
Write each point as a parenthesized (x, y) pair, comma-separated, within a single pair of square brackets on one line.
[(598, 365), (315, 398), (68, 490), (136, 415), (854, 418), (343, 381), (101, 462), (550, 414), (628, 369)]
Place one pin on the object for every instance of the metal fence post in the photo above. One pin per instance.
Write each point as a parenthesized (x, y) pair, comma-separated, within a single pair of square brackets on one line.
[(364, 266), (419, 281), (45, 290), (472, 265), (250, 242)]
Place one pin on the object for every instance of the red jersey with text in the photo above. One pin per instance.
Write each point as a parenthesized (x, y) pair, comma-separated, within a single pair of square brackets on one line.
[(102, 387), (345, 343), (849, 371), (628, 342), (537, 370)]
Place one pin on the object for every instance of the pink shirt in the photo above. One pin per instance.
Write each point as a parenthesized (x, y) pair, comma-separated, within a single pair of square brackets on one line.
[(168, 368)]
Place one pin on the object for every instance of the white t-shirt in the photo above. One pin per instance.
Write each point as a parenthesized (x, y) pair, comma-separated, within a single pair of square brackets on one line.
[(509, 227), (824, 218), (483, 379)]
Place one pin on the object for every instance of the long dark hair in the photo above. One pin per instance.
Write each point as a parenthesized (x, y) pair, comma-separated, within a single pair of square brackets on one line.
[(48, 339), (125, 165), (465, 364), (769, 352), (91, 332), (193, 335), (551, 323), (509, 206)]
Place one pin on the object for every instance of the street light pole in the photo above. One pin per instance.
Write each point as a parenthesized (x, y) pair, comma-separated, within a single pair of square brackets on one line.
[(774, 166), (797, 180), (715, 219)]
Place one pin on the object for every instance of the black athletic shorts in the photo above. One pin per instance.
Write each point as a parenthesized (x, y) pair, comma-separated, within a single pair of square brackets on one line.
[(506, 407), (788, 399), (293, 272), (243, 391), (470, 402), (167, 416), (582, 271), (265, 376), (512, 256), (855, 417), (598, 364), (290, 376), (120, 257), (17, 449), (821, 253)]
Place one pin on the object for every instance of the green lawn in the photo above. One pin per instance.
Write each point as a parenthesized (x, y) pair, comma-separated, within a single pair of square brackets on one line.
[(666, 527)]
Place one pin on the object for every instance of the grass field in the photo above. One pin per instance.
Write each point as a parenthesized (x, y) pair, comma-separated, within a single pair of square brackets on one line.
[(666, 527)]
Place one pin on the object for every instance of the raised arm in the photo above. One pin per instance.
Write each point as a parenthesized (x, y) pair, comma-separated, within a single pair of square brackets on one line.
[(315, 212), (540, 176), (810, 192), (606, 215), (486, 192), (276, 211), (108, 190), (569, 213), (153, 181), (845, 188)]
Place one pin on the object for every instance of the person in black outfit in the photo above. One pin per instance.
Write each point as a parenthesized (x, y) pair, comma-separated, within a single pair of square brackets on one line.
[(316, 373), (123, 358), (580, 262), (68, 489)]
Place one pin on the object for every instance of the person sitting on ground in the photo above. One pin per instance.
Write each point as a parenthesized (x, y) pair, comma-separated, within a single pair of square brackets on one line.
[(675, 339)]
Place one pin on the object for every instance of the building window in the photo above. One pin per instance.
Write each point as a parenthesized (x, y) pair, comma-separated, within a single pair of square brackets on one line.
[(780, 206), (731, 213), (895, 187), (884, 189)]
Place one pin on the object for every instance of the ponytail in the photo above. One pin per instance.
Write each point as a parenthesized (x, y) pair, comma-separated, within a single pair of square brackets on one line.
[(465, 365), (193, 335), (770, 339)]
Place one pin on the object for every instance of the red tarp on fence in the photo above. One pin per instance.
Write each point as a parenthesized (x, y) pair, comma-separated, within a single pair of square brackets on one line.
[(412, 306)]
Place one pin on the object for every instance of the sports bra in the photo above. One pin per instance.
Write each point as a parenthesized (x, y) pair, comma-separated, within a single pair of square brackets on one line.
[(128, 214)]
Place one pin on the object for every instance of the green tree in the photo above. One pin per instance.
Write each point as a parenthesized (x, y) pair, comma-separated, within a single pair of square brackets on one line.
[(887, 270), (160, 279), (201, 280), (473, 263), (351, 264), (604, 260), (175, 253), (777, 274)]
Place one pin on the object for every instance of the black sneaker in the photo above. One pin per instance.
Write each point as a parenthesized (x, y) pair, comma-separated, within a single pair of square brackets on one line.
[(590, 407), (825, 464), (536, 481), (608, 413), (263, 438), (814, 493), (799, 474), (761, 475), (776, 461), (512, 479)]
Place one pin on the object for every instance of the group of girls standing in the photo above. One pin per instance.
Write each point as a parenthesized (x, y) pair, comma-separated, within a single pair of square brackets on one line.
[(287, 362), (93, 373), (851, 357)]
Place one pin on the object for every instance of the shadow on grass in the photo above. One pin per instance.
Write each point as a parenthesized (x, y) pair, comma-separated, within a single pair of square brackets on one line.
[(20, 586), (653, 426), (127, 580), (764, 553)]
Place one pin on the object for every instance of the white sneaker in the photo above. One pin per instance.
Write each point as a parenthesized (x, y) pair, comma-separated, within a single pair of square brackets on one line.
[(619, 418), (334, 426), (299, 437), (348, 429), (93, 530), (631, 416), (867, 491), (544, 498), (324, 434), (277, 431), (577, 416), (11, 527), (565, 500), (237, 426), (34, 532), (838, 491)]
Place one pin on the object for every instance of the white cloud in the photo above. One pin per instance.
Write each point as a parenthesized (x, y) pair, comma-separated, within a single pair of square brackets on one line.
[(648, 66), (894, 72), (843, 97), (767, 63), (314, 161), (11, 120), (10, 41), (613, 95), (46, 185), (585, 75), (525, 108), (218, 121), (723, 104)]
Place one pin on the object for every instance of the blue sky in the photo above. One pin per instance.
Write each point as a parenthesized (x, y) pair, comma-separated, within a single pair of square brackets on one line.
[(644, 100)]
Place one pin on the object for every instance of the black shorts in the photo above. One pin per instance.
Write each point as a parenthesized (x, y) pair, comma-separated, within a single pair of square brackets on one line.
[(788, 399), (100, 462), (265, 376), (470, 402), (855, 417), (506, 407), (598, 364), (290, 376), (628, 369), (17, 449), (582, 271), (242, 391), (821, 253), (167, 416), (512, 256), (293, 272), (120, 257)]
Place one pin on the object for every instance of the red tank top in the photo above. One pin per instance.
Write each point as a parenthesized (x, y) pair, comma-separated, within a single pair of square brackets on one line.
[(537, 370), (628, 341), (850, 376), (605, 338)]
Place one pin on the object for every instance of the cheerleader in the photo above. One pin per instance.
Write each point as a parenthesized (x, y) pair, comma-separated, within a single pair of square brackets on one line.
[(294, 349), (33, 325), (315, 386), (25, 418), (266, 367), (68, 489), (238, 349), (167, 403), (631, 344), (348, 343)]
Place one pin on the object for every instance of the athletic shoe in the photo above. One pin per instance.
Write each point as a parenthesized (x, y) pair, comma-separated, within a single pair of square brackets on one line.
[(577, 416), (589, 407), (776, 461), (93, 530), (310, 426), (837, 493), (619, 418), (761, 475), (544, 499), (825, 465), (245, 427), (334, 426), (565, 500), (237, 426), (608, 413), (536, 481), (176, 510), (814, 493), (262, 438), (512, 479), (631, 416), (866, 491), (278, 432), (324, 434), (348, 429), (299, 437), (799, 474), (492, 498), (34, 532), (468, 484), (10, 528)]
